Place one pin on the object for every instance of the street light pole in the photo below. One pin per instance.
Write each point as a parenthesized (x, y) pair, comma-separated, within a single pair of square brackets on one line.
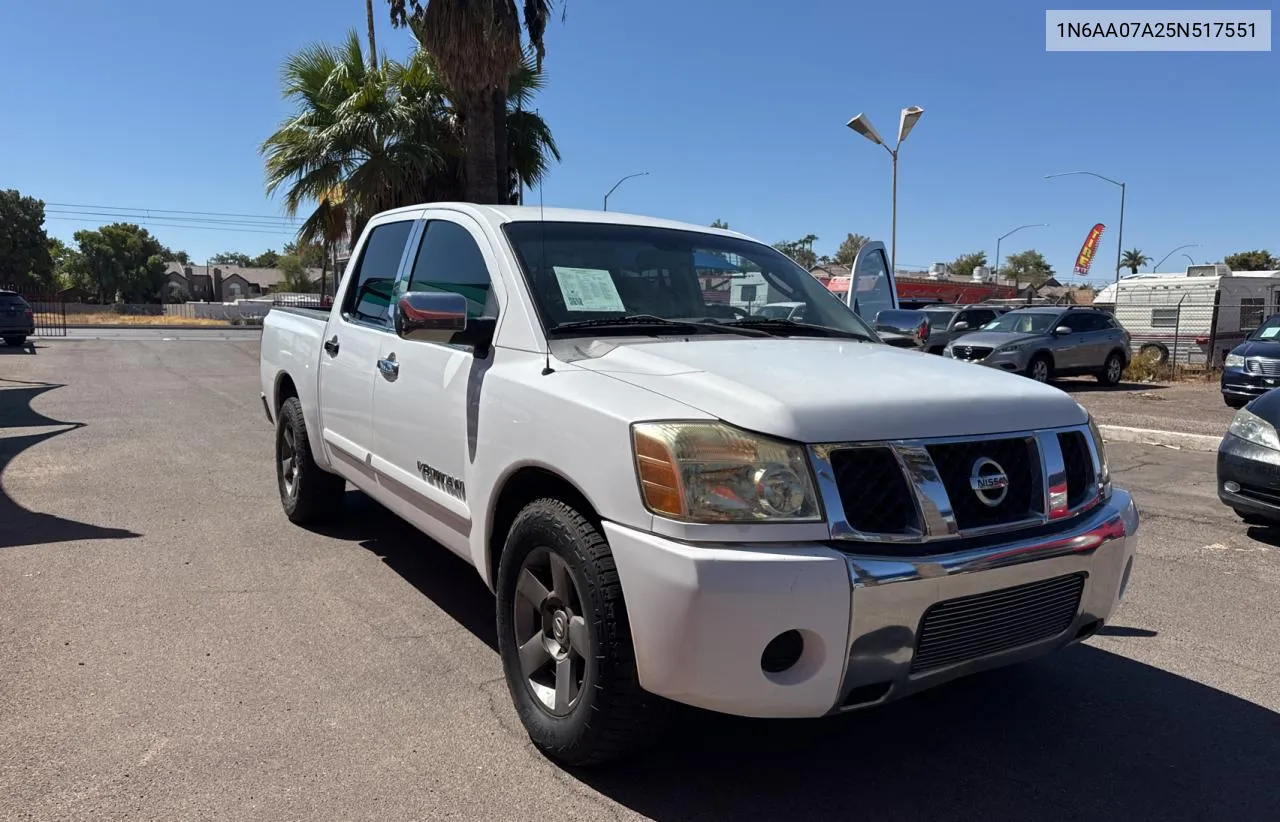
[(1155, 267), (1001, 238), (1120, 233), (906, 122), (1188, 256), (620, 182)]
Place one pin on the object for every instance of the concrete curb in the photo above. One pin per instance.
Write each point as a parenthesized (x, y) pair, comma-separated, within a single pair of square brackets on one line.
[(118, 327), (1149, 436)]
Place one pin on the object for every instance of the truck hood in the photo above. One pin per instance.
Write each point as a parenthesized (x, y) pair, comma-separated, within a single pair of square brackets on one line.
[(994, 339), (812, 390), (1257, 348)]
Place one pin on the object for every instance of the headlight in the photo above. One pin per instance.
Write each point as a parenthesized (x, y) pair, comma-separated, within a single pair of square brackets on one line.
[(1101, 446), (1234, 361), (1012, 347), (712, 472), (1250, 427)]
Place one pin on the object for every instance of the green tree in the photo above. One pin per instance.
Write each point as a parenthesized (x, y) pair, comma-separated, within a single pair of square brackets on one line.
[(178, 256), (24, 245), (800, 250), (964, 265), (720, 224), (1133, 259), (267, 259), (848, 250), (365, 141), (1028, 266), (476, 46), (295, 277), (230, 258), (1257, 260), (120, 262), (311, 254)]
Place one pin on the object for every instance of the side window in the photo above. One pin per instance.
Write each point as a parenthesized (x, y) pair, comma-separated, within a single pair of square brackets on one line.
[(450, 260), (369, 297), (1093, 322), (872, 289)]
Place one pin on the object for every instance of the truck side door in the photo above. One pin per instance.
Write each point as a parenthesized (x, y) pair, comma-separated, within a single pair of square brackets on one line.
[(428, 405), (872, 288), (353, 338)]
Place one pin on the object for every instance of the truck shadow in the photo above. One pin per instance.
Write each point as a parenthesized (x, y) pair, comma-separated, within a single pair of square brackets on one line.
[(1083, 735), (20, 526)]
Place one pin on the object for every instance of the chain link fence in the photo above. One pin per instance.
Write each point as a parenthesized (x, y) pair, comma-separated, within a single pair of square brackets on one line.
[(1188, 333)]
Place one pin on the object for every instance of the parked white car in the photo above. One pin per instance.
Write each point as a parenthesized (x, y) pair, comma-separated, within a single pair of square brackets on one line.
[(753, 516)]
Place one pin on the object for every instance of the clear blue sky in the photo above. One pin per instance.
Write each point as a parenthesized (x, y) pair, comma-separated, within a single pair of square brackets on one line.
[(736, 110)]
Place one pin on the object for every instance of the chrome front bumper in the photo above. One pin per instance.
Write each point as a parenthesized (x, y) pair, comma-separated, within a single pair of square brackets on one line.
[(891, 597)]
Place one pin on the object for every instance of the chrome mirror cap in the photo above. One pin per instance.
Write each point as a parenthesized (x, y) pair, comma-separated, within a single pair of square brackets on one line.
[(430, 316)]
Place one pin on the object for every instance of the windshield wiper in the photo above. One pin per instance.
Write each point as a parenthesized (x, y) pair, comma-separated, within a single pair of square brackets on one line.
[(652, 321), (777, 325)]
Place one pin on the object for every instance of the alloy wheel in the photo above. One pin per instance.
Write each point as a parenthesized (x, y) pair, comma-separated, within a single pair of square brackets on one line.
[(288, 461), (1114, 370), (551, 632)]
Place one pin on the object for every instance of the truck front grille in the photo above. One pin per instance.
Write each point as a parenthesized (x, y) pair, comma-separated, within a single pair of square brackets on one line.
[(1022, 498), (969, 628), (1079, 465), (906, 492), (873, 490), (1267, 366)]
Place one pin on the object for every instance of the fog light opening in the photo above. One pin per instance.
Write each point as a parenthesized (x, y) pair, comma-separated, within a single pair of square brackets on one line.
[(1231, 487), (782, 652)]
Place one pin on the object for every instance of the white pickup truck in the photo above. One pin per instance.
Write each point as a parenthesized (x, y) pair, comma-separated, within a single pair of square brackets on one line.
[(748, 515)]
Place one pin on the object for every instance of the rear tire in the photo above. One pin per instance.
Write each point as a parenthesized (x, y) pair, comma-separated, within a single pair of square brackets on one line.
[(1112, 370), (15, 340), (556, 556), (309, 494), (1040, 368)]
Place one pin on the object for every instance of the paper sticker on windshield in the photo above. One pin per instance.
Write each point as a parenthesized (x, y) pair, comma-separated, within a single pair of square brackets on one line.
[(1268, 333), (588, 289)]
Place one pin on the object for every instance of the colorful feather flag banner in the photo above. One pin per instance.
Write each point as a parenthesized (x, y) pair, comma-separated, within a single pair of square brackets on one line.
[(1085, 258)]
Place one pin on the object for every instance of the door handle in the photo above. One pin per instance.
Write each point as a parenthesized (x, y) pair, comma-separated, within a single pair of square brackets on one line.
[(331, 345), (389, 367)]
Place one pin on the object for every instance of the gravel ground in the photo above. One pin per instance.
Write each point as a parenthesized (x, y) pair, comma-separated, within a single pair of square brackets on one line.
[(1187, 407), (170, 648)]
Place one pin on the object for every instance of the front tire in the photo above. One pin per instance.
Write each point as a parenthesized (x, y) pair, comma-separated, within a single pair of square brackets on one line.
[(309, 494), (1112, 370), (1040, 369), (565, 640), (1235, 402)]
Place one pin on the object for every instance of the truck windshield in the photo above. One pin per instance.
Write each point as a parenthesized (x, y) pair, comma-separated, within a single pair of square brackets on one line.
[(1029, 322), (601, 271)]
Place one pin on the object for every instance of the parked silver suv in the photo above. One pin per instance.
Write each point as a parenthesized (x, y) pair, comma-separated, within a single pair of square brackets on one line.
[(1044, 342), (947, 323)]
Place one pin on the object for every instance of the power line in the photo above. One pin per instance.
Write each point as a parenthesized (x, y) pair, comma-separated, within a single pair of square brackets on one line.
[(282, 232), (176, 211), (184, 220)]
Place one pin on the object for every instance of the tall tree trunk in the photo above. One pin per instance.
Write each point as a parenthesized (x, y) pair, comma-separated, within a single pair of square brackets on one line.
[(480, 163), (373, 48), (500, 146)]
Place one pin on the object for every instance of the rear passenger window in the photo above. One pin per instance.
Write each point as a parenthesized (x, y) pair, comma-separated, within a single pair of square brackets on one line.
[(450, 260), (369, 297)]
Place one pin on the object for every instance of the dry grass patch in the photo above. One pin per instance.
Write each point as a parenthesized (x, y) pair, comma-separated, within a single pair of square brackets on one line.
[(110, 318)]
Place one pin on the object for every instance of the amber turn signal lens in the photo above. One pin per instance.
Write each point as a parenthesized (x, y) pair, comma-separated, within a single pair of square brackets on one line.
[(659, 479)]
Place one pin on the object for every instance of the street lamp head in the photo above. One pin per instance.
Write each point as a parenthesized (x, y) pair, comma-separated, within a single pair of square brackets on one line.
[(863, 126), (908, 121)]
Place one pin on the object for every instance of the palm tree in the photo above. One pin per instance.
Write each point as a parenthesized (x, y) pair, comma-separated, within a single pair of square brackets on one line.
[(363, 141), (477, 48), (1133, 259)]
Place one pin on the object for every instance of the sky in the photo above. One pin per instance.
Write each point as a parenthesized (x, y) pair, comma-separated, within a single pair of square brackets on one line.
[(735, 110)]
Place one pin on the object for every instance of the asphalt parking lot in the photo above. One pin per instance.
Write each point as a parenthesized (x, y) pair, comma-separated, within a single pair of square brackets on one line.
[(171, 648)]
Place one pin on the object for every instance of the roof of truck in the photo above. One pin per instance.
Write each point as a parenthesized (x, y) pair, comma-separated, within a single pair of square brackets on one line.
[(499, 214)]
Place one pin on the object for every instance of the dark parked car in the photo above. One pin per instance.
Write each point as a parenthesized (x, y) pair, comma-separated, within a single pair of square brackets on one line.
[(949, 322), (1249, 462), (1252, 368), (17, 320)]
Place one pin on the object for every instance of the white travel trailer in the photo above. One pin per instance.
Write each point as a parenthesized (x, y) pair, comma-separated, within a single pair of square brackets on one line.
[(1196, 316)]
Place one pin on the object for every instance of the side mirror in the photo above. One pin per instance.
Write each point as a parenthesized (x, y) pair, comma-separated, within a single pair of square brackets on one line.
[(429, 316), (960, 326), (1061, 330), (914, 325)]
